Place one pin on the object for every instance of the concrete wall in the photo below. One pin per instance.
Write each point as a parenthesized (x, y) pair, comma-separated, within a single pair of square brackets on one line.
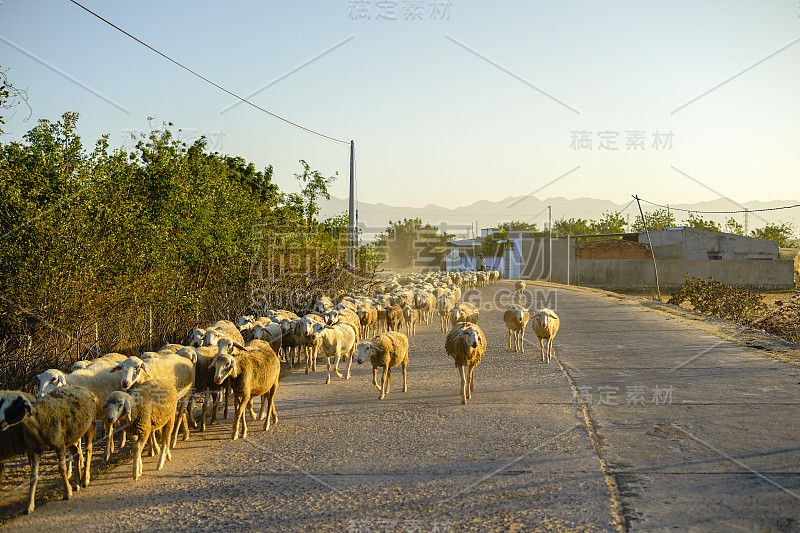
[(694, 243), (638, 273)]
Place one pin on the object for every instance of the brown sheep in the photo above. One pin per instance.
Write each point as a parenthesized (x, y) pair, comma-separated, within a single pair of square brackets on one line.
[(56, 421), (252, 371), (147, 407), (464, 312), (385, 350), (466, 344), (545, 325), (394, 318), (516, 319)]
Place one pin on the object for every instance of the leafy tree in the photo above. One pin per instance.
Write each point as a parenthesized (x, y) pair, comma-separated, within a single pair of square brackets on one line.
[(731, 226), (410, 242), (697, 221), (782, 233), (573, 226), (315, 185), (518, 225), (656, 220), (611, 222), (490, 246)]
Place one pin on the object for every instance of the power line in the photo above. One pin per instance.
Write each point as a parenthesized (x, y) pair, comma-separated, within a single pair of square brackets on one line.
[(206, 79), (720, 212)]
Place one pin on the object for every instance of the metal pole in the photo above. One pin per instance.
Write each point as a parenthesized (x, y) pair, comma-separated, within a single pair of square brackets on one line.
[(567, 259), (655, 268), (550, 240), (351, 224)]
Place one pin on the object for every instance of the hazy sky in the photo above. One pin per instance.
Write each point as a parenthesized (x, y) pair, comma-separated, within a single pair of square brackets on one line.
[(449, 102)]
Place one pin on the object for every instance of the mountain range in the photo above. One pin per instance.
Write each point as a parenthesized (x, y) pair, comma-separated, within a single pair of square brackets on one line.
[(463, 221)]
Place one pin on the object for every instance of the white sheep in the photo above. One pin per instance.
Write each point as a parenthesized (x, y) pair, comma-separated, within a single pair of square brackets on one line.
[(466, 344), (337, 341), (197, 337), (251, 371), (56, 421), (519, 286), (174, 368), (444, 303), (97, 378), (144, 409), (516, 319), (411, 317), (220, 329), (386, 350), (464, 312), (545, 325)]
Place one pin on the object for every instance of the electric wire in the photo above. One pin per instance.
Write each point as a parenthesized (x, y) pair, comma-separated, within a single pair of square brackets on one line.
[(220, 87)]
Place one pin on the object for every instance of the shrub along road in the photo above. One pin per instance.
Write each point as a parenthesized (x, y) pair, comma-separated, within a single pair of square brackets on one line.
[(642, 422)]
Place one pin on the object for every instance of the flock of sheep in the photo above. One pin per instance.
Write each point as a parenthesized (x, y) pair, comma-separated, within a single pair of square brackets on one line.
[(151, 397)]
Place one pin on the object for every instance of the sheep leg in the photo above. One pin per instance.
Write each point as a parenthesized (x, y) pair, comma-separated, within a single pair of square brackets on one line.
[(272, 414), (349, 364), (509, 340), (109, 434), (471, 380), (189, 407), (227, 395), (375, 377), (61, 452), (87, 475), (541, 346), (185, 414), (522, 340), (137, 456), (216, 398), (329, 370), (383, 383), (75, 472), (166, 431), (549, 349), (239, 416), (250, 408), (463, 385), (122, 440), (155, 449), (261, 413), (405, 381), (336, 366), (34, 460), (206, 399)]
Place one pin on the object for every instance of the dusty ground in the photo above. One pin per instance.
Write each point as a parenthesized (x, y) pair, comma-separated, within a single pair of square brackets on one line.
[(651, 418)]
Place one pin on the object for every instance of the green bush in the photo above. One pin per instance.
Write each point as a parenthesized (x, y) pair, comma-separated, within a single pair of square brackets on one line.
[(713, 297)]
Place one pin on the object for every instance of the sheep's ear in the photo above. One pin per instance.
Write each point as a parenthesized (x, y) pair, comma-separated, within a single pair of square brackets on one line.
[(126, 407), (234, 368), (61, 379), (145, 370), (237, 345), (116, 368)]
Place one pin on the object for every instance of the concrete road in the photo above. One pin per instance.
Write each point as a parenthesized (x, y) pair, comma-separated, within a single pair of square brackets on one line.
[(643, 423)]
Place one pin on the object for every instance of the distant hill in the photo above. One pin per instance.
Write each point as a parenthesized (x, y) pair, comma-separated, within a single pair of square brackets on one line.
[(485, 214)]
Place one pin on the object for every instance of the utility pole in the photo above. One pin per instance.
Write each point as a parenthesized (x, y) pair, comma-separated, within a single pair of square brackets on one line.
[(746, 222), (351, 223), (550, 241), (655, 268)]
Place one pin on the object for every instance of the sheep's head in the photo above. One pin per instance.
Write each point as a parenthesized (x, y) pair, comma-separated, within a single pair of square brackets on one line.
[(50, 380), (520, 312), (472, 335), (212, 337), (196, 338), (245, 322), (78, 365), (118, 406), (134, 371), (224, 365), (13, 409), (318, 329), (258, 332), (226, 345), (365, 351)]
